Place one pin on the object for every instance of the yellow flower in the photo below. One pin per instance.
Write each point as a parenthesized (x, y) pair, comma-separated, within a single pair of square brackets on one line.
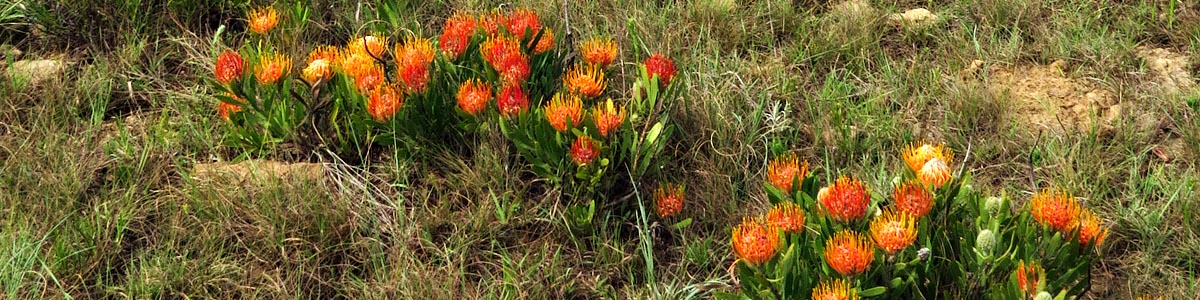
[(608, 117), (317, 70), (263, 19), (584, 80), (1091, 228), (563, 109), (834, 290), (373, 46), (930, 163), (893, 231), (598, 51)]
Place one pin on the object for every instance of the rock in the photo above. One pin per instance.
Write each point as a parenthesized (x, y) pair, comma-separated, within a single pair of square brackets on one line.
[(914, 18), (37, 71), (257, 171)]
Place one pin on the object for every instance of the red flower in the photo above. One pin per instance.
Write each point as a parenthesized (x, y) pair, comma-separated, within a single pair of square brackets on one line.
[(412, 63), (512, 101), (520, 20), (229, 67), (845, 200), (473, 96), (584, 150), (368, 79), (668, 200), (661, 66), (456, 34), (514, 69), (384, 101), (490, 23)]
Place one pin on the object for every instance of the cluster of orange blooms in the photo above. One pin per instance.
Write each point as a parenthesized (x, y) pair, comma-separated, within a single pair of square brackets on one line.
[(1058, 210)]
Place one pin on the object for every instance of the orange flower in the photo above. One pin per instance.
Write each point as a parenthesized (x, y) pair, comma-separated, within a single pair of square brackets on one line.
[(412, 63), (514, 69), (355, 64), (370, 45), (607, 117), (522, 19), (784, 170), (668, 200), (893, 231), (584, 150), (1090, 228), (936, 172), (317, 70), (456, 34), (328, 53), (490, 23), (263, 19), (755, 242), (271, 67), (473, 96), (384, 101), (512, 101), (661, 66), (496, 48), (786, 216), (545, 43), (834, 290), (562, 109), (1055, 209), (845, 200), (1028, 277), (229, 67), (226, 108), (369, 79), (917, 157), (598, 51), (914, 199), (584, 80), (849, 253)]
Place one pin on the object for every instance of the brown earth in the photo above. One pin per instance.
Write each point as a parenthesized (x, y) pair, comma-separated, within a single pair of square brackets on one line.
[(1043, 97), (1169, 69)]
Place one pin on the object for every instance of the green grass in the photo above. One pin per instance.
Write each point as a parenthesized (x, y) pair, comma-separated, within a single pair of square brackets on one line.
[(99, 201)]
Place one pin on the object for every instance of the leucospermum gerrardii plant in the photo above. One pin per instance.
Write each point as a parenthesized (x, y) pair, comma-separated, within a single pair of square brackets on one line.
[(925, 235)]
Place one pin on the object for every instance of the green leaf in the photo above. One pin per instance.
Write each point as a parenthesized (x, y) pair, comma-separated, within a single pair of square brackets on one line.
[(872, 292), (683, 224)]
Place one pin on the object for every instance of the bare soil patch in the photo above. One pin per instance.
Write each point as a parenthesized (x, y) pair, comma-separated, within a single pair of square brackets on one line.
[(1043, 97), (1169, 70)]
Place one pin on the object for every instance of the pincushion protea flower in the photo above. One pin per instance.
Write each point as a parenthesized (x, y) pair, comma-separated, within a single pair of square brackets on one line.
[(783, 171), (514, 69), (585, 80), (1056, 209), (545, 43), (936, 172), (317, 70), (930, 163), (845, 200), (456, 34), (229, 67), (497, 47), (355, 64), (384, 101), (893, 231), (370, 78), (564, 112), (224, 109), (834, 290), (490, 22), (512, 100), (668, 200), (262, 19), (608, 117), (913, 198), (598, 51), (271, 67), (584, 150), (849, 253), (473, 96), (754, 242), (412, 63), (522, 19), (661, 66), (786, 216), (1090, 228), (328, 53), (1028, 277), (372, 46)]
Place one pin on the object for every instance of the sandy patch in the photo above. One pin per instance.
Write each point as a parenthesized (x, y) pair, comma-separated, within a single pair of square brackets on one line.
[(913, 18), (1168, 69), (1042, 97)]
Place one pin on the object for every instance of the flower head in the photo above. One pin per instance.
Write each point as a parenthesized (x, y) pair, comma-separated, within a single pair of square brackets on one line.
[(661, 66), (473, 96), (834, 290), (913, 198), (936, 172), (263, 19), (514, 69), (522, 19), (317, 70), (845, 200), (564, 112), (918, 156), (584, 150), (608, 117), (271, 67), (512, 100), (328, 53), (1091, 228), (224, 109), (1028, 277), (784, 170), (384, 101), (545, 43), (495, 48), (755, 242), (355, 64), (668, 200), (585, 80), (849, 253), (786, 216), (598, 51), (370, 78), (490, 22), (1055, 209), (893, 231), (412, 63), (229, 67), (372, 46), (456, 34)]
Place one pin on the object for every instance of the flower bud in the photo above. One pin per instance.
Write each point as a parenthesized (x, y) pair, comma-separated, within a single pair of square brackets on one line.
[(985, 242), (993, 205), (923, 254)]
